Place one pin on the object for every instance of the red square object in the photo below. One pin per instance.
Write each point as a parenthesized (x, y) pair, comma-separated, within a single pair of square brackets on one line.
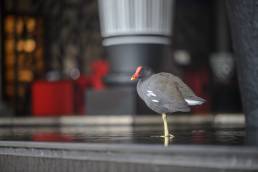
[(52, 98)]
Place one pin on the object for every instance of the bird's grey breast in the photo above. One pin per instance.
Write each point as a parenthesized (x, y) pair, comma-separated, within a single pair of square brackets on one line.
[(146, 94)]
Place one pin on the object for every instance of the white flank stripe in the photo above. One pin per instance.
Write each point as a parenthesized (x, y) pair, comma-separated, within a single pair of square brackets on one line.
[(193, 102), (151, 94)]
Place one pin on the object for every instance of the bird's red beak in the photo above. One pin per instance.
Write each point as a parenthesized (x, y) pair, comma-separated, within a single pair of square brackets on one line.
[(137, 73)]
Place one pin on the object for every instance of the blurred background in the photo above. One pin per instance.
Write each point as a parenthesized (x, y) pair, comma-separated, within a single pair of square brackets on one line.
[(63, 57)]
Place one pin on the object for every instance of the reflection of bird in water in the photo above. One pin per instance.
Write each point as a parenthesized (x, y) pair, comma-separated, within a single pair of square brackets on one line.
[(164, 93)]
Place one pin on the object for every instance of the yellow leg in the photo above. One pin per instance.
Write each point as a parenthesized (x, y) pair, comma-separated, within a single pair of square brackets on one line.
[(166, 131), (166, 141)]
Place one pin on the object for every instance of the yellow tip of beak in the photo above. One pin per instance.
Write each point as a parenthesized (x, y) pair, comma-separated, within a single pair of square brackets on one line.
[(132, 78)]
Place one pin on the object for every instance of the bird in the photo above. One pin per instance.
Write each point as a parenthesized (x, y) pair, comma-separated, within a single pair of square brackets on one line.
[(164, 93)]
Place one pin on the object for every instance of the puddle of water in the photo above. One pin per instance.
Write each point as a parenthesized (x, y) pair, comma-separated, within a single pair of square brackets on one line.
[(190, 134)]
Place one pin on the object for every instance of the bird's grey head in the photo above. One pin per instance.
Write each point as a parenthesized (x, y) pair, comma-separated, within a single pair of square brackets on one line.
[(141, 72)]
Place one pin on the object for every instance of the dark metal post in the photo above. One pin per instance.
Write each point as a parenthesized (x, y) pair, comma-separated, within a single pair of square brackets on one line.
[(135, 32), (243, 16), (1, 51)]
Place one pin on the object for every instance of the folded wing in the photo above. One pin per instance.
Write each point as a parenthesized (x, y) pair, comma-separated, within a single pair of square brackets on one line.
[(162, 94)]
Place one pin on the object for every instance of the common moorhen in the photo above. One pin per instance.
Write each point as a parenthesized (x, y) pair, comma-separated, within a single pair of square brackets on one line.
[(164, 93)]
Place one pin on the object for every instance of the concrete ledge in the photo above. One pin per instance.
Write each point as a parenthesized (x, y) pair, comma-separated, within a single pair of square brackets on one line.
[(37, 156)]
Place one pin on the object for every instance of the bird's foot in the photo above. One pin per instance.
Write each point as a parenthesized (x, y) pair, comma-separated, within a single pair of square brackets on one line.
[(168, 136)]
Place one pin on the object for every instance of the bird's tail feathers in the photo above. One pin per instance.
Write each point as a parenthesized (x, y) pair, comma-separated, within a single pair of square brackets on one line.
[(193, 101)]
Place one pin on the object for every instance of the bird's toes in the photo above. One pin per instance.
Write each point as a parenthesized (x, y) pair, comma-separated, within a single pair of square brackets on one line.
[(171, 136)]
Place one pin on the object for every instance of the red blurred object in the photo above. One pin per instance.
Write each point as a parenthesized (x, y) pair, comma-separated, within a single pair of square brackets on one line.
[(52, 98), (67, 97), (98, 70), (199, 137), (198, 80), (51, 137), (99, 67)]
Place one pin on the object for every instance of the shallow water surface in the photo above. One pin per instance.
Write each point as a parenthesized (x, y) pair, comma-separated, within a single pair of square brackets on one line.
[(126, 134)]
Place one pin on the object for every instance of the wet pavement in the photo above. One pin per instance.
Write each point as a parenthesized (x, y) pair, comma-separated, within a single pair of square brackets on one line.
[(128, 143), (127, 134)]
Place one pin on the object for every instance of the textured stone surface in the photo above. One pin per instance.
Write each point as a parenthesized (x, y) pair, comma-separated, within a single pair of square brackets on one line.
[(36, 156), (243, 16)]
